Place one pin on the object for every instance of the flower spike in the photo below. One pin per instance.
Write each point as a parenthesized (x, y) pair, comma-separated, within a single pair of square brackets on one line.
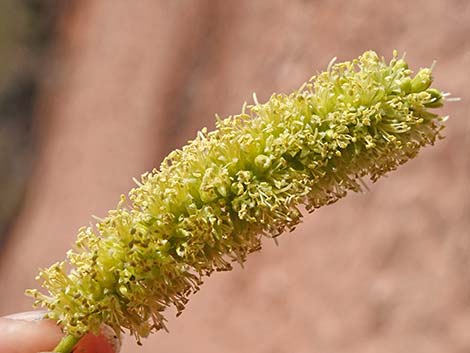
[(212, 201)]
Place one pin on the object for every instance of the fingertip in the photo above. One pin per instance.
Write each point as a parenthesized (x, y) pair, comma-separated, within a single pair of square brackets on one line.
[(28, 336), (105, 342), (28, 332), (94, 344)]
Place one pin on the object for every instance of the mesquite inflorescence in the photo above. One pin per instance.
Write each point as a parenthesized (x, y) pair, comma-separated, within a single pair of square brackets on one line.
[(211, 202)]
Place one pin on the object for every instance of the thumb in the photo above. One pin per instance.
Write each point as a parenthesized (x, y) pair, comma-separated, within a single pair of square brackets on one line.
[(105, 342), (29, 333)]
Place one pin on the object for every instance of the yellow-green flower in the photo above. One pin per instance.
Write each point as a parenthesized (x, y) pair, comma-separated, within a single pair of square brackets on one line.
[(211, 202)]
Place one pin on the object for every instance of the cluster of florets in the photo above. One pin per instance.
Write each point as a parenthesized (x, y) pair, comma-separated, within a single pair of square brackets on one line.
[(212, 201)]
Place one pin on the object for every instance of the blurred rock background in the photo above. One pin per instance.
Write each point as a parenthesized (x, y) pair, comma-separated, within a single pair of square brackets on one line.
[(93, 93), (25, 35)]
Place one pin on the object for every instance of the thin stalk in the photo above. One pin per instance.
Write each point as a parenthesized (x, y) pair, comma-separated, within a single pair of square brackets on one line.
[(66, 344)]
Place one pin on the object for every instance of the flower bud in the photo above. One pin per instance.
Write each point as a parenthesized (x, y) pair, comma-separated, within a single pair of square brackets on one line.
[(421, 81)]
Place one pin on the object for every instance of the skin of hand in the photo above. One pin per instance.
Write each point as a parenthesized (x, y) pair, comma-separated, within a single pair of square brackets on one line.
[(28, 332)]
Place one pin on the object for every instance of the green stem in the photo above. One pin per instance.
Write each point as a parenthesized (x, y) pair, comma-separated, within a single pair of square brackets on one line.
[(66, 344)]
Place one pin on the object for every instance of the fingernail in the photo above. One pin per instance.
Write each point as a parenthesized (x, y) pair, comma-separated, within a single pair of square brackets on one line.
[(105, 342), (28, 315), (111, 337)]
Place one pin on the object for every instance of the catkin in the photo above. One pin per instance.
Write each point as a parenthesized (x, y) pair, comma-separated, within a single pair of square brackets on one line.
[(211, 202)]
